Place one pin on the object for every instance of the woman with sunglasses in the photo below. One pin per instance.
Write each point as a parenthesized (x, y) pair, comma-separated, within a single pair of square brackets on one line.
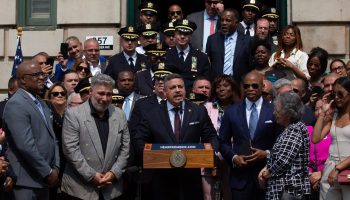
[(82, 67), (290, 55), (334, 117), (56, 99)]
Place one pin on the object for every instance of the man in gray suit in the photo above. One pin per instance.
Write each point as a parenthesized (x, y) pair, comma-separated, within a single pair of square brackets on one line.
[(95, 141), (207, 21), (33, 150)]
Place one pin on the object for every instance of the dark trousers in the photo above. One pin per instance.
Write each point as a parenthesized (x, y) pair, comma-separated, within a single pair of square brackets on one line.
[(251, 191)]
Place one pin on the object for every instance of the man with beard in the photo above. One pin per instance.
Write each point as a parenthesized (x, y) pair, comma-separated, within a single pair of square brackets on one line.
[(253, 128), (95, 141), (229, 50), (188, 62), (126, 87), (176, 121), (128, 58), (250, 10), (33, 150)]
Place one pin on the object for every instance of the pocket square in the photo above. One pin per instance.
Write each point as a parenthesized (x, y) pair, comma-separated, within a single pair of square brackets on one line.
[(193, 123), (268, 122)]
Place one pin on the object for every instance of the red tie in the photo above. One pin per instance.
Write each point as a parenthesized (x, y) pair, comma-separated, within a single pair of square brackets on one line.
[(212, 30), (177, 124)]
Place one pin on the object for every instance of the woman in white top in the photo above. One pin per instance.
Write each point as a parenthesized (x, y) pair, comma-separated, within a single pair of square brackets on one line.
[(289, 55), (338, 124)]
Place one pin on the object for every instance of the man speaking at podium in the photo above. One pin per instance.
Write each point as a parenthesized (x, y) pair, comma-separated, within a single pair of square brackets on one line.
[(176, 121)]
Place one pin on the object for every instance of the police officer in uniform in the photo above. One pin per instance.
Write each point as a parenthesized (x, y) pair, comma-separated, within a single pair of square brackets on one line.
[(188, 62), (271, 14)]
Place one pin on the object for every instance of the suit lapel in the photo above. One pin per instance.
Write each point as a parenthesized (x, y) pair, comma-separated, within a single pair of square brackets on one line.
[(261, 120), (112, 136), (242, 111), (93, 132), (186, 119), (238, 47)]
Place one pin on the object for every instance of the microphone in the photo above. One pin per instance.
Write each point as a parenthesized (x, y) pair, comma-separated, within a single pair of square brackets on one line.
[(131, 169)]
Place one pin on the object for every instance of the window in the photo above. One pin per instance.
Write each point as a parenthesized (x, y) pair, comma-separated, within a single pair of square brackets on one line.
[(37, 13)]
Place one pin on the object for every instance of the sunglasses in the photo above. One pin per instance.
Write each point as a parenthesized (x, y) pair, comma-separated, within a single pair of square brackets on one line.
[(295, 90), (56, 94), (177, 12), (85, 69), (254, 86), (36, 75)]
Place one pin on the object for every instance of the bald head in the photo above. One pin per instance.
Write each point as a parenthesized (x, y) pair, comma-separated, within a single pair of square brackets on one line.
[(328, 82), (30, 77), (253, 86)]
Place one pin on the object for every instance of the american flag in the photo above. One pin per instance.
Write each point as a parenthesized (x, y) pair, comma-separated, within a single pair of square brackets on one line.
[(18, 57)]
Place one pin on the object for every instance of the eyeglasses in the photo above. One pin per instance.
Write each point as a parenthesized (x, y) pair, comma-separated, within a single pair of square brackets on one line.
[(265, 94), (177, 12), (295, 90), (81, 68), (340, 95), (337, 68), (37, 74), (92, 50), (56, 94), (254, 86)]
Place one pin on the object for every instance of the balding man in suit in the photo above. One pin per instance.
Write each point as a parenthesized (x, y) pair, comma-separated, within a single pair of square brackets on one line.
[(33, 150)]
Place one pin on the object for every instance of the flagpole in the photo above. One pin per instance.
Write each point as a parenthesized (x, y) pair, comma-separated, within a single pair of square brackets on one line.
[(19, 33)]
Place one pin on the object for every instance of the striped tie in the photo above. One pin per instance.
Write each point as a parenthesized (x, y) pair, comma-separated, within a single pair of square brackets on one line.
[(228, 56)]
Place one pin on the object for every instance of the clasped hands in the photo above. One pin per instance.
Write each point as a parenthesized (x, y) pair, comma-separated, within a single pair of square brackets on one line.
[(101, 180), (242, 161)]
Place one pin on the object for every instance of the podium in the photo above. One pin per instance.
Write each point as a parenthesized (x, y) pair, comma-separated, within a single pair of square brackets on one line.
[(162, 156)]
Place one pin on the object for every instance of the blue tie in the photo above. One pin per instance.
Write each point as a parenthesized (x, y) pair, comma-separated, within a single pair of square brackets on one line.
[(228, 56), (38, 105), (127, 108), (253, 120)]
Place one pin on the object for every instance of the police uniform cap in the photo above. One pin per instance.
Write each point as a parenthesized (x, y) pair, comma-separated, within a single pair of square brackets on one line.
[(185, 26), (147, 30), (83, 85), (196, 97), (251, 4), (128, 32), (169, 29), (161, 70), (158, 50), (116, 97), (148, 7), (270, 13)]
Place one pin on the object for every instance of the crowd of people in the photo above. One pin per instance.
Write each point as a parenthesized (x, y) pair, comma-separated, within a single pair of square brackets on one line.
[(277, 117)]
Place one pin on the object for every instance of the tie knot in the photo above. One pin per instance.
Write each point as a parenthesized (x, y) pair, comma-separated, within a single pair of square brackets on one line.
[(176, 109), (182, 53), (253, 106)]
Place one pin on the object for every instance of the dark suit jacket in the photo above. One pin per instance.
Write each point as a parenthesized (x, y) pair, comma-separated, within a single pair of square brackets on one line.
[(155, 127), (197, 36), (184, 68), (118, 63), (143, 83), (33, 149), (235, 125), (216, 53)]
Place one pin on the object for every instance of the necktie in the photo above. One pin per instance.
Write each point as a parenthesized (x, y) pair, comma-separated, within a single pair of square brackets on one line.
[(38, 105), (228, 56), (126, 108), (182, 55), (253, 120), (177, 124), (131, 63), (247, 32), (212, 29)]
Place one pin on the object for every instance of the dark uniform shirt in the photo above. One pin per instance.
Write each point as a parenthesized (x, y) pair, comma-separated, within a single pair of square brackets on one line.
[(102, 126)]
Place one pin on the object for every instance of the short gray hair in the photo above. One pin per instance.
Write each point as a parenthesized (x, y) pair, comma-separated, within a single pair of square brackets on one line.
[(171, 77), (102, 79), (291, 106), (278, 84)]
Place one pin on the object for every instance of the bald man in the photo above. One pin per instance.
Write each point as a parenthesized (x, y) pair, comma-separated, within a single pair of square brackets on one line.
[(253, 128), (33, 150)]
